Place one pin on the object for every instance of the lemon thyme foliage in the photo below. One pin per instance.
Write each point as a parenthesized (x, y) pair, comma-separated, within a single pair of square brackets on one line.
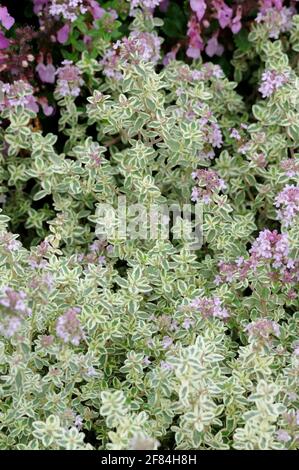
[(122, 342)]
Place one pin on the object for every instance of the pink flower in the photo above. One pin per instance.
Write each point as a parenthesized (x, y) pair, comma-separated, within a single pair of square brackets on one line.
[(209, 307), (63, 33), (4, 42), (199, 7), (283, 436), (271, 81), (196, 44), (236, 21), (5, 18), (213, 47), (68, 327), (96, 11), (46, 72), (288, 203), (290, 167), (263, 328), (222, 12), (47, 109)]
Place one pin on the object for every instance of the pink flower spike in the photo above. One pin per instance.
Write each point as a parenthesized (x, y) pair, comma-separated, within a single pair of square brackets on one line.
[(5, 18), (63, 34)]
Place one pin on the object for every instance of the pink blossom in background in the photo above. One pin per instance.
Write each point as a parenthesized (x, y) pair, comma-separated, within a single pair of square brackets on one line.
[(213, 47), (196, 44), (199, 7), (68, 327), (4, 42), (222, 12), (96, 10), (38, 5), (236, 25), (46, 73), (5, 19), (47, 109), (63, 33), (164, 4)]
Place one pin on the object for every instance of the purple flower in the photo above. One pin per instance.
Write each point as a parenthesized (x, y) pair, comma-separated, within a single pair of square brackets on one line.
[(166, 342), (5, 18), (68, 327), (63, 33), (69, 10), (290, 167), (39, 4), (16, 310), (146, 361), (15, 301), (288, 203), (271, 81), (4, 42), (236, 25), (283, 436), (235, 134), (222, 12), (47, 109), (165, 365), (78, 422), (276, 18), (270, 246), (199, 7), (69, 79), (187, 323), (91, 372), (209, 307), (196, 44), (96, 10), (213, 47), (208, 183), (146, 46), (263, 328), (46, 72)]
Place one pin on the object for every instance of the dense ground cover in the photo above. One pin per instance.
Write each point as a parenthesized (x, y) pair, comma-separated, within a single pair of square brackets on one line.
[(116, 333)]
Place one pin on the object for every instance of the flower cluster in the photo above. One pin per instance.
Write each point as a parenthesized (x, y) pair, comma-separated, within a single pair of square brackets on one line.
[(210, 307), (271, 81), (287, 202), (208, 183), (68, 327), (7, 21), (69, 79), (275, 17), (140, 46), (69, 9), (14, 311)]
